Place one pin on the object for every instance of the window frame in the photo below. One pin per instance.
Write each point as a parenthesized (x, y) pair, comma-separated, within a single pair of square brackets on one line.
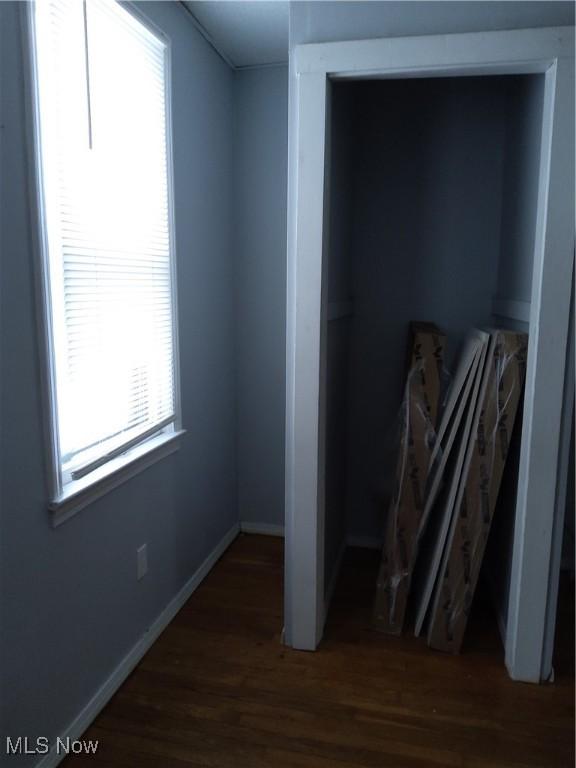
[(64, 500)]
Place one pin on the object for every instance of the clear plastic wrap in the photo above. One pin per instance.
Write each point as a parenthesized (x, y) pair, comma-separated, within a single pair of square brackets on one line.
[(419, 415), (478, 490)]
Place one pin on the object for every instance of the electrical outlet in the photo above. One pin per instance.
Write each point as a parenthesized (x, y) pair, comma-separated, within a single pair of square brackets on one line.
[(141, 561)]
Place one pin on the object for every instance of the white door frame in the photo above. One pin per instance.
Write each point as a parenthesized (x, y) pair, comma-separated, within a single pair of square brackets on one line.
[(549, 51)]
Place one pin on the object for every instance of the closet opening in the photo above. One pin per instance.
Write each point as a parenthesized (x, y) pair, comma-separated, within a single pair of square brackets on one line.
[(430, 179), (431, 199)]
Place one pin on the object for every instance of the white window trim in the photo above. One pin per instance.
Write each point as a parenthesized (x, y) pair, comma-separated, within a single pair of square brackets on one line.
[(65, 501), (80, 493)]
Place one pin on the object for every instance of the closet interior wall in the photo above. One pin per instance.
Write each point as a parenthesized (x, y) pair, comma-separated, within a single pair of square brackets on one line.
[(432, 201)]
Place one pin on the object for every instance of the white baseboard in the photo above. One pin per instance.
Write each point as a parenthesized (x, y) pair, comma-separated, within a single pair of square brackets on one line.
[(264, 529), (365, 542), (119, 675)]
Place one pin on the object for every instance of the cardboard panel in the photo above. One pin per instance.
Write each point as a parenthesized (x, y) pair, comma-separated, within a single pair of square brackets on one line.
[(471, 522), (420, 416)]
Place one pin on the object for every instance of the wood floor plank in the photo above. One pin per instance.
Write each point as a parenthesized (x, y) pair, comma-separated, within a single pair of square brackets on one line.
[(218, 690)]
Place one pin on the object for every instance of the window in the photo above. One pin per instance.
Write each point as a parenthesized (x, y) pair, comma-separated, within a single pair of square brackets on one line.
[(105, 202)]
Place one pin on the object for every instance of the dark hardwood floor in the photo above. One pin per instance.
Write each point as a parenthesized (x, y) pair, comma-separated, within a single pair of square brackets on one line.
[(218, 690)]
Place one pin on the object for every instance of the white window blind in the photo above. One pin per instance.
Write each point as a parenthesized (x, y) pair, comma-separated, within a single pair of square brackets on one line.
[(101, 78)]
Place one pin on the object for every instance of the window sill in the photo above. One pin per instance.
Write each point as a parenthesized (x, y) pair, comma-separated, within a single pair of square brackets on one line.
[(79, 493)]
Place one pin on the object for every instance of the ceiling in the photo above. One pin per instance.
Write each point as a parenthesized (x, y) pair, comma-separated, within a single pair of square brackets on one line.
[(245, 32)]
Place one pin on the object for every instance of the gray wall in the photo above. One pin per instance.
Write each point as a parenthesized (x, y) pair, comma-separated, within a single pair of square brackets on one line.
[(338, 336), (71, 604), (437, 215), (324, 22), (426, 213), (569, 536), (259, 254), (520, 195)]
